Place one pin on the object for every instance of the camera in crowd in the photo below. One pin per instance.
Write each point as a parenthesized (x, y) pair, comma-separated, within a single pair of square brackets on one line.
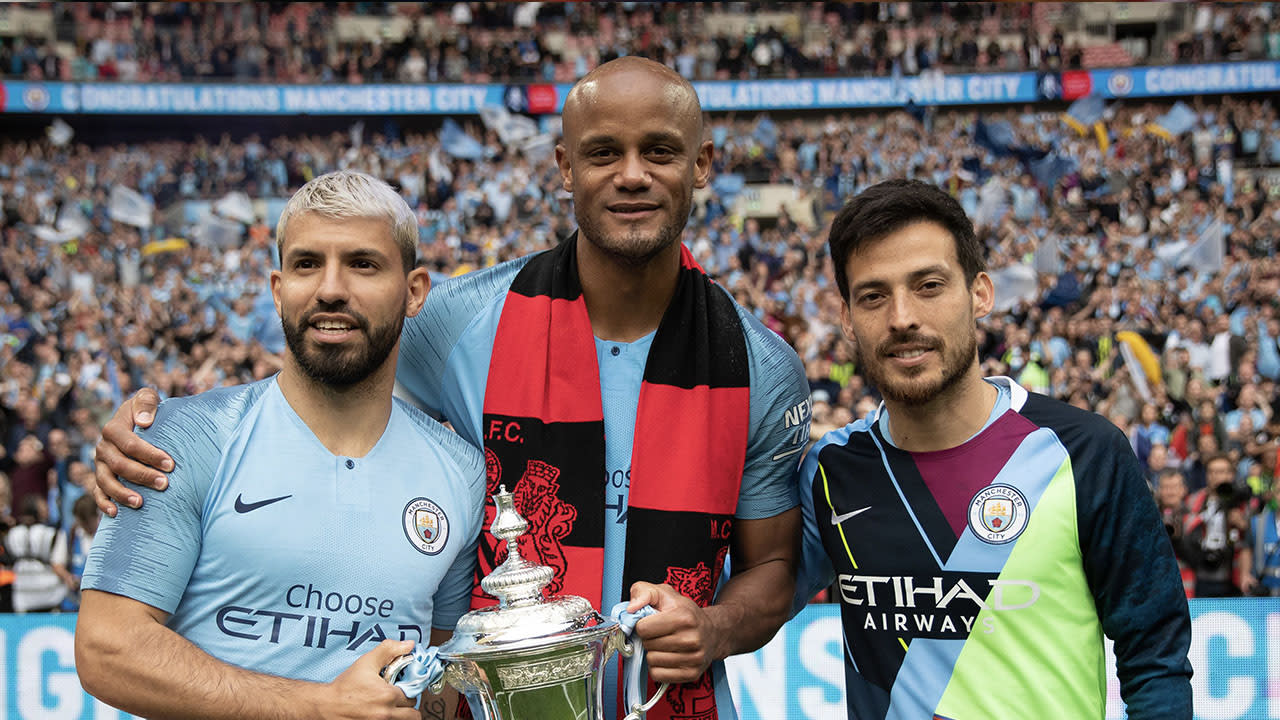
[(1233, 495), (1220, 539)]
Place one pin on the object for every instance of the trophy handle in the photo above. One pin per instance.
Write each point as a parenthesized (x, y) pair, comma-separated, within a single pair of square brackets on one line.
[(638, 710), (633, 663), (415, 672)]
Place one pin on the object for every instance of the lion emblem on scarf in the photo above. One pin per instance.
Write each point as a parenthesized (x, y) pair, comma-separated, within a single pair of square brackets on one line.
[(550, 520)]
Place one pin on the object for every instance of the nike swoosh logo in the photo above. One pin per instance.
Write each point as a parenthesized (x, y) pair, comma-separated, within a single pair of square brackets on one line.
[(244, 507), (837, 519)]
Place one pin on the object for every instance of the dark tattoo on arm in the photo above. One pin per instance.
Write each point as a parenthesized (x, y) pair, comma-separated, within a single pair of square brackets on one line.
[(432, 709)]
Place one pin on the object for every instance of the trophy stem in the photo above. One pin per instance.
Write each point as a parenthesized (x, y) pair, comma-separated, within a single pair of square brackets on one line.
[(516, 581)]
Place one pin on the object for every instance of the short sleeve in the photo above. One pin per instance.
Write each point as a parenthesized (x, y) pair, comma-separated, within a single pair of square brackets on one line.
[(148, 554), (779, 427)]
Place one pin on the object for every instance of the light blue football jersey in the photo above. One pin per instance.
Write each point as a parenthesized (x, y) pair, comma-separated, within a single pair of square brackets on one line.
[(273, 554), (444, 366)]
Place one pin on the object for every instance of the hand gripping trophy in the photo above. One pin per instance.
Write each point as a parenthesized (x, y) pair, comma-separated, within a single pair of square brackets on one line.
[(529, 657)]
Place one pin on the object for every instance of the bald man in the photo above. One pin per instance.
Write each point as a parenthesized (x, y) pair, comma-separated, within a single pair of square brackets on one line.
[(647, 425)]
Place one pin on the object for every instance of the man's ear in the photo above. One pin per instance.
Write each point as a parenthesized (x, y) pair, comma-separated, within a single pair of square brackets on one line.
[(846, 322), (566, 168), (418, 287), (276, 279), (702, 164), (984, 295)]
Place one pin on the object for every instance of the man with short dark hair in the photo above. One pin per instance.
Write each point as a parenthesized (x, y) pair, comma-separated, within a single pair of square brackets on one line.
[(983, 539), (1215, 538)]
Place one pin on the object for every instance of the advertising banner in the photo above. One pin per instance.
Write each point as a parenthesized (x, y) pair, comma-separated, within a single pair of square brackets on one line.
[(1235, 653), (799, 675), (807, 94)]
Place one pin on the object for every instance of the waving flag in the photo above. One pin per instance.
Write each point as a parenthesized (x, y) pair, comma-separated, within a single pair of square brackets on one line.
[(1084, 112), (129, 207), (458, 143), (1180, 119)]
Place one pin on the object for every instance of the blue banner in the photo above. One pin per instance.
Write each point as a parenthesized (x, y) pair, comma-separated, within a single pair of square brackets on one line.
[(1235, 651), (868, 92), (1169, 81), (37, 654), (800, 674), (815, 94), (192, 99)]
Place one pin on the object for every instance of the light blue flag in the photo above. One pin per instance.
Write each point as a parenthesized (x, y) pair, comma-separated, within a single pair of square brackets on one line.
[(1087, 110), (458, 143), (1178, 120)]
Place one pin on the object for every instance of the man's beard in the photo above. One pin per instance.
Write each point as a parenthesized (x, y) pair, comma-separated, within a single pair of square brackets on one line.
[(917, 391), (632, 246), (341, 366)]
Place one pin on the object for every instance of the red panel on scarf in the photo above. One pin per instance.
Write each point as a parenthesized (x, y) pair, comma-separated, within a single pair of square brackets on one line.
[(586, 569), (706, 443), (548, 339)]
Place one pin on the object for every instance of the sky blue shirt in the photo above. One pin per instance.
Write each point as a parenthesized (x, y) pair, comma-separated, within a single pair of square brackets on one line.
[(444, 366), (271, 553)]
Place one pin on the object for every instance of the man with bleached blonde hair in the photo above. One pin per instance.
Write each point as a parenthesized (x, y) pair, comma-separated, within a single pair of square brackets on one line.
[(249, 583)]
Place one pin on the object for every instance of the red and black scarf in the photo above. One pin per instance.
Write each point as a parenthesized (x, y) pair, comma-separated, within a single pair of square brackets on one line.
[(543, 433)]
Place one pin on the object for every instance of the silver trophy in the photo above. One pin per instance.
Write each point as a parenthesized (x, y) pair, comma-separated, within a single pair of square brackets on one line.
[(529, 657)]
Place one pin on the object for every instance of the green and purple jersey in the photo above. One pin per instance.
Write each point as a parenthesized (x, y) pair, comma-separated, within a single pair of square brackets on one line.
[(980, 580)]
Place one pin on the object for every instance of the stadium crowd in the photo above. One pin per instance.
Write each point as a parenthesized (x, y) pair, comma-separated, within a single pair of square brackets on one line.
[(529, 42), (1106, 245)]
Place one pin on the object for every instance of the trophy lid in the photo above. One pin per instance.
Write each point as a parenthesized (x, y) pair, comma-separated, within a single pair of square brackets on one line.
[(523, 619)]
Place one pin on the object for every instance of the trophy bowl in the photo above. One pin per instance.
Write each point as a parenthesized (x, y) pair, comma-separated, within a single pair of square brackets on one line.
[(529, 657)]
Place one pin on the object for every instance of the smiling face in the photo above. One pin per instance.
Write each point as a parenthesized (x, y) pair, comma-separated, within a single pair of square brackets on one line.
[(911, 315), (343, 294), (632, 154)]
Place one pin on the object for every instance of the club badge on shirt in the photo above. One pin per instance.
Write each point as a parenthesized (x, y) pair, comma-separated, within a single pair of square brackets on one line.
[(998, 514), (426, 526)]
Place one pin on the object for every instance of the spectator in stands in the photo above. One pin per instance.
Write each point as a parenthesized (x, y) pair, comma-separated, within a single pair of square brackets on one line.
[(79, 538), (1157, 463), (1147, 432), (39, 555), (1171, 495), (1215, 534), (29, 472), (502, 42)]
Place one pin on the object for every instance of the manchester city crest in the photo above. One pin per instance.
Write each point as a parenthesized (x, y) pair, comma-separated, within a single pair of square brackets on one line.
[(426, 526), (998, 514)]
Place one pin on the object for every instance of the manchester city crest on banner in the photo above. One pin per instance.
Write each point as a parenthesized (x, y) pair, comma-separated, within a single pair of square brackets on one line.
[(998, 514), (426, 526)]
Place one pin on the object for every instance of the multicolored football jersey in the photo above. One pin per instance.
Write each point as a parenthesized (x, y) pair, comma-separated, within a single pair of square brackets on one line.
[(980, 580)]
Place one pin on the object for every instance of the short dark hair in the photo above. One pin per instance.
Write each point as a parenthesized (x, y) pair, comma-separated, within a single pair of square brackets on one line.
[(1219, 457), (889, 206)]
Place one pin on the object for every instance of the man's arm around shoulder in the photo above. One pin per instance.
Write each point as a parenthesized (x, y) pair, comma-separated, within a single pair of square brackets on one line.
[(128, 658)]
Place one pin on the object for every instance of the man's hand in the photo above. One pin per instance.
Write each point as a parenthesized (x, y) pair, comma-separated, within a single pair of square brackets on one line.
[(679, 639), (361, 692), (1238, 520), (1247, 583), (122, 453)]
